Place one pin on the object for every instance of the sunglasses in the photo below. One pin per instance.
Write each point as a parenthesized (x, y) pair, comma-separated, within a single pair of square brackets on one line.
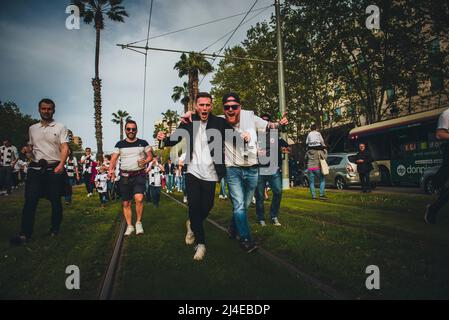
[(131, 129), (233, 106)]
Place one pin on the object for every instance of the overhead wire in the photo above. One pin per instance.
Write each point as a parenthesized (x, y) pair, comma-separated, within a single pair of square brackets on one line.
[(145, 70), (198, 25), (230, 37)]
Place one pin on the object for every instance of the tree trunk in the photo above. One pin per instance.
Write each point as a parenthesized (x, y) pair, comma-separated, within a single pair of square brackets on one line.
[(97, 53), (121, 129), (191, 92), (96, 84), (195, 85)]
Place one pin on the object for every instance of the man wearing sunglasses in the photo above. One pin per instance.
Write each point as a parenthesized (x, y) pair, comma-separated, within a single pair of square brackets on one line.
[(134, 155), (241, 161), (242, 165), (205, 166)]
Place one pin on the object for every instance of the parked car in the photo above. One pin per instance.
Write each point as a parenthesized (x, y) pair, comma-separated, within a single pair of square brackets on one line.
[(426, 183), (343, 172)]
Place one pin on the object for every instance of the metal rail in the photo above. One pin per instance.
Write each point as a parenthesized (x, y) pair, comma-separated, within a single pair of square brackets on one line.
[(107, 285), (326, 289)]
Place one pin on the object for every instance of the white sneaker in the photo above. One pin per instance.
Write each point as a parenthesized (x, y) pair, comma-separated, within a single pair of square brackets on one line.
[(200, 252), (253, 201), (275, 222), (262, 223), (220, 197), (184, 199), (129, 230), (190, 236), (89, 195), (139, 228)]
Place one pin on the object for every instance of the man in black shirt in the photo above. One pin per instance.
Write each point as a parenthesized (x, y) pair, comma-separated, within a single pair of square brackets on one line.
[(364, 161), (442, 176)]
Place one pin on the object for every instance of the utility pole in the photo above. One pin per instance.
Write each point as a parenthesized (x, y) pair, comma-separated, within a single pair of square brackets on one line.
[(282, 103)]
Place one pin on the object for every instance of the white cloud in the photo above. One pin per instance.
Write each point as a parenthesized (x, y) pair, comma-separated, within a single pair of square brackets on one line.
[(45, 59)]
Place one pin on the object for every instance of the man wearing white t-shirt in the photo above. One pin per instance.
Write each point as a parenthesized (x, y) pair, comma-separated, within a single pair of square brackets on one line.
[(204, 166), (48, 149), (242, 164), (442, 176)]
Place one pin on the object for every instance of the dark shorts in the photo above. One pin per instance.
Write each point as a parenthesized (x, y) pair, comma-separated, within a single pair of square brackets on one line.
[(131, 186)]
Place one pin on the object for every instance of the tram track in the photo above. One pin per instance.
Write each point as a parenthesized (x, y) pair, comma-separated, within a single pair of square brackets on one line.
[(110, 276)]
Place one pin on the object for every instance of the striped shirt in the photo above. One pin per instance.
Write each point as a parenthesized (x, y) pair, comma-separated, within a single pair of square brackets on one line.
[(70, 166), (87, 163), (8, 155), (155, 176), (131, 152)]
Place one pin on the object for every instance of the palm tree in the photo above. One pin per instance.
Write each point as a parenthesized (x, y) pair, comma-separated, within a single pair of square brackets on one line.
[(170, 117), (121, 117), (95, 11), (159, 127), (181, 94), (192, 66)]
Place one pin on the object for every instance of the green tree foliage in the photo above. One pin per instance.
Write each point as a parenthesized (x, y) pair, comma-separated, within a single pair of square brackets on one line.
[(13, 124), (182, 94), (120, 117), (192, 65), (333, 60), (170, 117)]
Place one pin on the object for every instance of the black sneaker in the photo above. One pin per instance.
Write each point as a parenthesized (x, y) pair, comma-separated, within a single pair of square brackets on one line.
[(430, 217), (18, 240), (324, 198), (53, 233), (248, 246)]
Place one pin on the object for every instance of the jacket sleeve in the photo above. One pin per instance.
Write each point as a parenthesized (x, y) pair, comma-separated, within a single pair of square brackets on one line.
[(283, 143), (182, 128)]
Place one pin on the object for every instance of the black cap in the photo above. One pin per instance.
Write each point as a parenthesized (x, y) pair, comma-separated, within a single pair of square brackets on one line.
[(233, 95)]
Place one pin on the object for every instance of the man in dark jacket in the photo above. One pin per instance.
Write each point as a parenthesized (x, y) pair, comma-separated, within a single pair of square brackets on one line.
[(363, 160), (269, 177), (205, 165), (442, 176)]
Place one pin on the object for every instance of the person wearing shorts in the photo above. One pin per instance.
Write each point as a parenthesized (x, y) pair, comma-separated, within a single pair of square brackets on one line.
[(134, 155)]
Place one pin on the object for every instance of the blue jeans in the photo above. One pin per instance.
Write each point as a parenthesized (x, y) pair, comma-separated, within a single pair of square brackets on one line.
[(275, 183), (223, 187), (155, 195), (103, 197), (320, 176), (242, 183), (68, 196), (170, 182), (183, 184)]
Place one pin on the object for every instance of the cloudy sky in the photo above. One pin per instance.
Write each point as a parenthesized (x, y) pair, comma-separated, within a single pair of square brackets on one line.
[(39, 58)]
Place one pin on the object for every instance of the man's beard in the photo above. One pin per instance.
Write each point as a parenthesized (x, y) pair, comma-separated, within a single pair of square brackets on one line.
[(131, 136)]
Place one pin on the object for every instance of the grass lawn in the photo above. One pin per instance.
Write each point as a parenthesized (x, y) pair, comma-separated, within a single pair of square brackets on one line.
[(159, 265), (37, 270), (336, 240), (333, 241)]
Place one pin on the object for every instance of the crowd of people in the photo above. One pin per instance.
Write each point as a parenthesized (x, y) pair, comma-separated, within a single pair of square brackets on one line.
[(238, 150)]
